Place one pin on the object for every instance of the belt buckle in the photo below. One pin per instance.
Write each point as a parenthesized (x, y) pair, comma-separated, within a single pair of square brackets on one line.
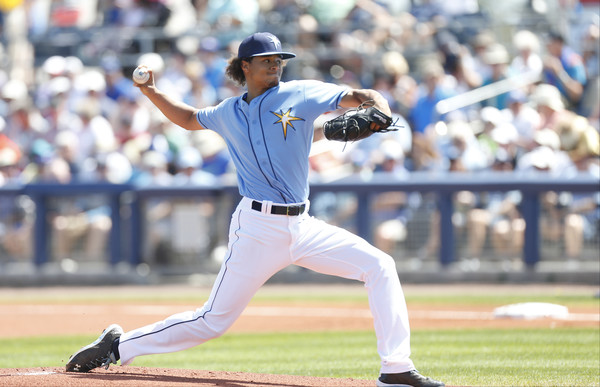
[(287, 210)]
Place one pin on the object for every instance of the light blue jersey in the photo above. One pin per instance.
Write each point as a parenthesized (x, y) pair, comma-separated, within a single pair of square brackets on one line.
[(269, 139)]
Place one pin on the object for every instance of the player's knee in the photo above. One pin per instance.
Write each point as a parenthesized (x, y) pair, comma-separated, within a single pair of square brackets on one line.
[(216, 326), (218, 333), (213, 331), (388, 265), (384, 266)]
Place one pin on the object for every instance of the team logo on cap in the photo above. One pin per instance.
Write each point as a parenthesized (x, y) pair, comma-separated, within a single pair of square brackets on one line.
[(286, 119), (273, 39)]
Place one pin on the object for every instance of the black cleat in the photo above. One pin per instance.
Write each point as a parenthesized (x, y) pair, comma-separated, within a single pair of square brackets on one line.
[(410, 378), (97, 354)]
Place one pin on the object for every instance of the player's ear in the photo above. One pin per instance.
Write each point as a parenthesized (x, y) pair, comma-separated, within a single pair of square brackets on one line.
[(245, 65)]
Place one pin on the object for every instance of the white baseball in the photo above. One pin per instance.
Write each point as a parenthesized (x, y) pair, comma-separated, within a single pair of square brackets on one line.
[(141, 75)]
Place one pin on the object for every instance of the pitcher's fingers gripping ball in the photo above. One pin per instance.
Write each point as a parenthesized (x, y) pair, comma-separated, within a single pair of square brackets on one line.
[(359, 123), (141, 75)]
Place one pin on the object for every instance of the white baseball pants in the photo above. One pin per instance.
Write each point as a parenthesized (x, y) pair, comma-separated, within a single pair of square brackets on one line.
[(260, 245)]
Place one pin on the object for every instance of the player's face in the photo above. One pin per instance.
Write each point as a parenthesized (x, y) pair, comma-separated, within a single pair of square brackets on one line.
[(263, 71)]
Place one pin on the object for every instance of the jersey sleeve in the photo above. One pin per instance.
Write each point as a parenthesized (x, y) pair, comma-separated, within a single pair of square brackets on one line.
[(326, 95), (212, 117)]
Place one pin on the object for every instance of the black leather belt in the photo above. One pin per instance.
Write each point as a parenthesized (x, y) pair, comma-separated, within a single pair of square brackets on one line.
[(281, 210)]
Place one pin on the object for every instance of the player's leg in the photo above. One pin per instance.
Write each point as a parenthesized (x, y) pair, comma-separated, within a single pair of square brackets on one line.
[(253, 256), (331, 250)]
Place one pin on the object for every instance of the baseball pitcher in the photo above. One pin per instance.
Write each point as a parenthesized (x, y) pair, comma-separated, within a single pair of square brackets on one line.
[(269, 132)]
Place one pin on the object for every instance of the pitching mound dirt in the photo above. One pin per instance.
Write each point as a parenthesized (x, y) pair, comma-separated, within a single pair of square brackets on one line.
[(160, 377)]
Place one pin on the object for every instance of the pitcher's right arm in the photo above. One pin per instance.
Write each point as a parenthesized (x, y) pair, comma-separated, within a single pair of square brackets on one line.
[(177, 112)]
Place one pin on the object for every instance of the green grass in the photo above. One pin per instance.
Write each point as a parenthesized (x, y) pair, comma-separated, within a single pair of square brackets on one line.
[(462, 295), (477, 357), (510, 357), (474, 357)]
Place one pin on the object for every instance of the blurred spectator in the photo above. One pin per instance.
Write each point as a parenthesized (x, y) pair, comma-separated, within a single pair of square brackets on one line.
[(10, 155), (330, 16), (404, 86), (528, 59), (189, 172), (16, 218), (137, 13), (110, 12), (573, 218), (154, 172), (16, 225), (215, 156), (508, 143), (590, 101), (463, 153), (173, 79), (424, 156), (213, 64), (390, 214), (564, 69), (544, 157), (388, 157), (72, 219), (496, 56), (591, 51), (87, 219), (231, 20), (581, 210), (67, 144), (427, 10), (507, 227), (281, 13), (201, 94), (14, 91), (58, 112), (462, 149), (522, 116), (423, 113), (25, 124), (458, 63), (133, 120), (117, 86), (494, 133), (96, 134), (384, 85), (579, 139), (54, 67), (549, 105), (496, 214), (91, 84), (113, 168), (480, 44), (391, 210), (194, 216)]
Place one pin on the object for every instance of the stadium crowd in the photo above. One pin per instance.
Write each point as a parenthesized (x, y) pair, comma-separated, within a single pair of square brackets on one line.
[(78, 118)]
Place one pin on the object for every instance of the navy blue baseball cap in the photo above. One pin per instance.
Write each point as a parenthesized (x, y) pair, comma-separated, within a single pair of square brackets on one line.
[(262, 44)]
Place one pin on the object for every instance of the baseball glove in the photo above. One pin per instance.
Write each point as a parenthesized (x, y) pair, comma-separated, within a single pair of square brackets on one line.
[(359, 123)]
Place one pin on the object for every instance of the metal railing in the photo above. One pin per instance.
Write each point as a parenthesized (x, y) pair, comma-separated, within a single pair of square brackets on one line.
[(443, 185)]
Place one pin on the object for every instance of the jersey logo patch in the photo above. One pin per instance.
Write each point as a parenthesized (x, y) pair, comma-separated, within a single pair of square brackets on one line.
[(286, 119)]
